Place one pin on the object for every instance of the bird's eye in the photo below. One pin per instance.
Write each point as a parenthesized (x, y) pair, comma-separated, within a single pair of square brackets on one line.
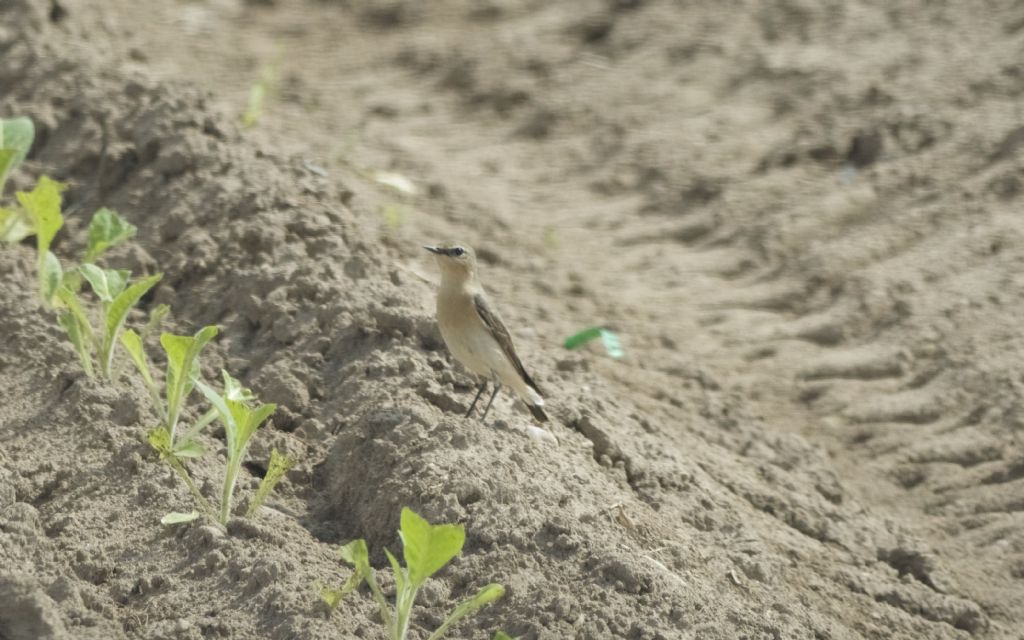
[(458, 251)]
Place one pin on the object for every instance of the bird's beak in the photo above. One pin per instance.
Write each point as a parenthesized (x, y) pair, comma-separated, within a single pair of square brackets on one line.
[(432, 249)]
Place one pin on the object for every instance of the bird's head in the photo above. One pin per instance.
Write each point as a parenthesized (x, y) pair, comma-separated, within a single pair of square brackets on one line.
[(457, 261)]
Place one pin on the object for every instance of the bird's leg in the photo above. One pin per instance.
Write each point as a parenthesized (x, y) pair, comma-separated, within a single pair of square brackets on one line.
[(497, 388), (480, 391)]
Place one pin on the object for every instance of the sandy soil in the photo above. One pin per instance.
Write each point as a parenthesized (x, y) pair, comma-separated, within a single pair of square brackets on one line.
[(801, 218)]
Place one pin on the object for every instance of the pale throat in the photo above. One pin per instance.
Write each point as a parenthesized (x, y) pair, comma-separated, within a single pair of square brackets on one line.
[(455, 279)]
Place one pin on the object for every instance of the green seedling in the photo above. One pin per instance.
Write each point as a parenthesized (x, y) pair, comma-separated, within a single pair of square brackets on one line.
[(75, 322), (182, 372), (16, 135), (160, 439), (254, 104), (106, 230), (240, 422), (611, 342), (241, 414), (117, 297), (394, 215), (279, 465), (427, 548), (42, 205), (258, 95)]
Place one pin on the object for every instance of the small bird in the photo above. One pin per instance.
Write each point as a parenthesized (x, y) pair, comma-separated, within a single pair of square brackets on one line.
[(475, 334)]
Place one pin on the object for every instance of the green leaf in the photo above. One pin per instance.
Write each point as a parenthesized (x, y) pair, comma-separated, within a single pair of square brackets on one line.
[(332, 597), (221, 406), (233, 389), (15, 226), (50, 277), (132, 343), (487, 595), (254, 105), (105, 283), (501, 635), (160, 440), (107, 229), (182, 368), (17, 134), (67, 296), (240, 420), (200, 424), (42, 205), (484, 597), (279, 465), (189, 449), (80, 334), (401, 573), (611, 341), (6, 165), (118, 311), (428, 547), (125, 300), (179, 518), (156, 318), (356, 554)]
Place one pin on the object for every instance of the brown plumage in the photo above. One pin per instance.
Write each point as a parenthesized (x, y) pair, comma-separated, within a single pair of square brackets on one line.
[(474, 332)]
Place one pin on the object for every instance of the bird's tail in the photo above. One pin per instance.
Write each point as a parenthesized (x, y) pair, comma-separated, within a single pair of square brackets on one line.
[(537, 412)]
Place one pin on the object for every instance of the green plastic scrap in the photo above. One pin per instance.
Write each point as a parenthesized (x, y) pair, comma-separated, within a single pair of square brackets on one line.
[(611, 341)]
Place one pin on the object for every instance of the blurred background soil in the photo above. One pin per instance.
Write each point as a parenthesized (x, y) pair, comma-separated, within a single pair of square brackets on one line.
[(802, 219)]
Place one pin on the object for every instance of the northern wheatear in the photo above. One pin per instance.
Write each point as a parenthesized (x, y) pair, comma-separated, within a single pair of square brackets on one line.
[(475, 334)]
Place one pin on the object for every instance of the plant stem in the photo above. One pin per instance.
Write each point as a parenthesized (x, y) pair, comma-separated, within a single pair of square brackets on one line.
[(459, 613), (172, 421), (385, 613), (403, 609), (107, 359), (106, 352), (180, 469), (230, 477)]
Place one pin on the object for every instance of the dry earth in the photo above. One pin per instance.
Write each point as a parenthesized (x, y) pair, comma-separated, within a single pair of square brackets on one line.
[(801, 217)]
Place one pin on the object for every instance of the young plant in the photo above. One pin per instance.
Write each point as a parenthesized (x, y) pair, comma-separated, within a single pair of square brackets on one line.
[(117, 298), (241, 416), (240, 423), (16, 135), (426, 548), (42, 205), (182, 372), (106, 230)]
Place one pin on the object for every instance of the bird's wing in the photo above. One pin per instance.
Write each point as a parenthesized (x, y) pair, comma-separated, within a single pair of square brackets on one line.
[(500, 333)]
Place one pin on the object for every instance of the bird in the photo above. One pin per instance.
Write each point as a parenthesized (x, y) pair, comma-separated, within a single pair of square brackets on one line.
[(474, 332)]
